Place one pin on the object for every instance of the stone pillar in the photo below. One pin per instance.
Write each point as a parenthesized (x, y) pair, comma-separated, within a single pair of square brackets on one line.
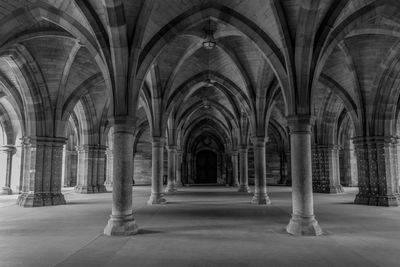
[(235, 168), (171, 186), (91, 176), (260, 183), (289, 168), (121, 221), (70, 168), (178, 181), (9, 150), (303, 221), (326, 169), (190, 177), (244, 170), (157, 195), (377, 171), (109, 169), (42, 172)]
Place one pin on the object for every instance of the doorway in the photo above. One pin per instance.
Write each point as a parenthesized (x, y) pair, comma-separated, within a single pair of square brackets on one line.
[(206, 167)]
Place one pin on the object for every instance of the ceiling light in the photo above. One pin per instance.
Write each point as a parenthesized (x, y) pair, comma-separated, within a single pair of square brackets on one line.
[(209, 41)]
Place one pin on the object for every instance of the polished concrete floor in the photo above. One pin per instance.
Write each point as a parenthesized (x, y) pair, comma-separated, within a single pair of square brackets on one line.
[(200, 226)]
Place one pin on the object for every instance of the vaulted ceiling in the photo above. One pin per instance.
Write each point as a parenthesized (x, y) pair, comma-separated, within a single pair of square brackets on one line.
[(146, 59)]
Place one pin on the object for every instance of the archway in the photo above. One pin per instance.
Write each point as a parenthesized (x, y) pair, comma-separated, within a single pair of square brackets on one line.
[(206, 167)]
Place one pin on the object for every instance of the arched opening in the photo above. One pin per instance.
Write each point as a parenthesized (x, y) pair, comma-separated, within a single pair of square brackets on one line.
[(206, 167)]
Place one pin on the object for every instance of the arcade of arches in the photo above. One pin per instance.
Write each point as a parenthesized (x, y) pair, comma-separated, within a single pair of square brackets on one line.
[(100, 95)]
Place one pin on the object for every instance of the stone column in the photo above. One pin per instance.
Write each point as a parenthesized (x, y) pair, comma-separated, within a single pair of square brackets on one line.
[(121, 221), (303, 221), (157, 195), (244, 170), (9, 150), (190, 177), (235, 168), (377, 171), (260, 183), (171, 186), (91, 176), (178, 181), (101, 166), (70, 168), (289, 168), (109, 169), (42, 172), (326, 172)]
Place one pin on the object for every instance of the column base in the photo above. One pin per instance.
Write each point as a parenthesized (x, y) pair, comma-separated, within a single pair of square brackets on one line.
[(40, 199), (261, 199), (6, 191), (303, 226), (336, 189), (121, 226), (244, 188), (84, 189), (156, 199), (101, 189), (373, 200), (171, 188)]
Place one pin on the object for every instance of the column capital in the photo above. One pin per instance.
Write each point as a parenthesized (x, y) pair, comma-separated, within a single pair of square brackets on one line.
[(8, 149), (158, 141), (234, 153), (259, 141), (325, 147), (172, 148), (300, 123), (123, 120), (44, 140), (369, 140), (243, 148)]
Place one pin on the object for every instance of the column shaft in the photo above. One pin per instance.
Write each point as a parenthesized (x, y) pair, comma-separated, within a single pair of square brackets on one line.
[(326, 172), (303, 220), (244, 170), (235, 169), (157, 195), (121, 221), (42, 172), (178, 180), (10, 151), (377, 169), (91, 176), (260, 182), (171, 186), (109, 169)]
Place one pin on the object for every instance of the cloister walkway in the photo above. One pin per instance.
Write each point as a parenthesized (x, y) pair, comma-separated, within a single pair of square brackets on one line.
[(200, 226)]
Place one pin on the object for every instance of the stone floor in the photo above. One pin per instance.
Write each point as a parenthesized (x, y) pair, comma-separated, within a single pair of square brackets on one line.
[(200, 226)]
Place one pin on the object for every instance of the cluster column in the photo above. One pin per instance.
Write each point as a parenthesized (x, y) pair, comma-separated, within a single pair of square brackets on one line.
[(235, 168), (326, 169), (178, 181), (70, 168), (244, 170), (260, 183), (91, 165), (157, 195), (9, 150), (121, 221), (42, 172), (171, 186), (303, 220), (377, 171), (109, 168)]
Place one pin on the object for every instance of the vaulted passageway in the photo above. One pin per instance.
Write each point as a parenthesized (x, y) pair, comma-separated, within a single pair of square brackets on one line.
[(104, 95)]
